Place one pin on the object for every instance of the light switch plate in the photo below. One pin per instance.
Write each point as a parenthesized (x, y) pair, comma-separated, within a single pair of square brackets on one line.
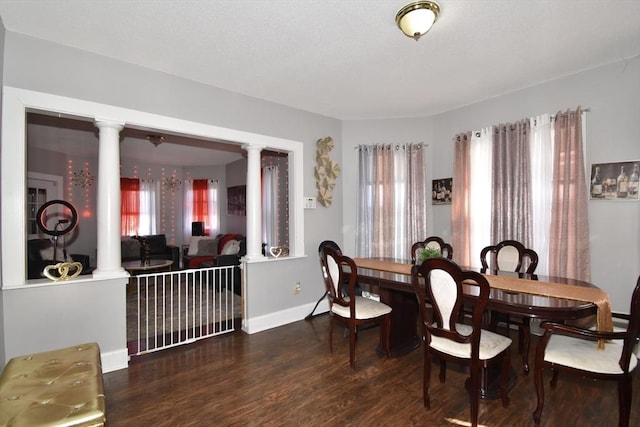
[(309, 202)]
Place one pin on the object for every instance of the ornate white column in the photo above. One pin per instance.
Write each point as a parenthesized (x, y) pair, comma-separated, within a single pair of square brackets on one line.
[(108, 201), (254, 202)]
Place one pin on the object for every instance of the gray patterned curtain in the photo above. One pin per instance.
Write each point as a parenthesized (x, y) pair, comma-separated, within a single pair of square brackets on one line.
[(511, 191)]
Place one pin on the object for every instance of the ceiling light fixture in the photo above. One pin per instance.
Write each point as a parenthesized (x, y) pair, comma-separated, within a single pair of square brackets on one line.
[(416, 18), (155, 139)]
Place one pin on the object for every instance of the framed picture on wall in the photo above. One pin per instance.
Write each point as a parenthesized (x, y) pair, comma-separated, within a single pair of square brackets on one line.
[(615, 181), (442, 191), (237, 200)]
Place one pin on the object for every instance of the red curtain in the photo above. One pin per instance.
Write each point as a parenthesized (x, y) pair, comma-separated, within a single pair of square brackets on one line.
[(130, 205), (200, 201)]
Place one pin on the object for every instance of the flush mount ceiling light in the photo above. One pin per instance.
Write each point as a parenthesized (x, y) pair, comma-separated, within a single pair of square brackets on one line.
[(416, 18), (155, 139)]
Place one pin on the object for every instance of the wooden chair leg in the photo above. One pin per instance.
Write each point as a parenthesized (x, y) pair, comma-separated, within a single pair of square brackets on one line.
[(385, 330), (474, 391), (624, 401), (443, 371), (554, 378), (426, 380), (537, 379), (353, 333), (504, 378), (331, 333), (525, 342)]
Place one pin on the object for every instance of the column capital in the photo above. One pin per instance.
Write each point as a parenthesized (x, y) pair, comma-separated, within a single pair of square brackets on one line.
[(106, 123), (253, 147)]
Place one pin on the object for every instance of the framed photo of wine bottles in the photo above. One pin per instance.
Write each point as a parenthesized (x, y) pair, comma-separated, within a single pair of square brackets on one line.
[(615, 181), (442, 191)]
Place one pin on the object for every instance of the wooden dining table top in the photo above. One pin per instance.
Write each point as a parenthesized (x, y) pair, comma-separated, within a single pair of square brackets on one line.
[(546, 297)]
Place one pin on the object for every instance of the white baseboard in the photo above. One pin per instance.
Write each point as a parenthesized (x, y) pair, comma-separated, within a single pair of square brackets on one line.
[(114, 360), (279, 318)]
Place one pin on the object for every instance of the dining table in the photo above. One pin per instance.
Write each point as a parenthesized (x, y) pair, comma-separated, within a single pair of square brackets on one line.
[(533, 296)]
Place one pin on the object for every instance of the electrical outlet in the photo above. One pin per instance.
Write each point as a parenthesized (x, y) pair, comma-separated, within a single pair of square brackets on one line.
[(297, 288)]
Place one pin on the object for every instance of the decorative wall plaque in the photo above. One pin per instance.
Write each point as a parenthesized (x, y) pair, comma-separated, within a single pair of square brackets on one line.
[(325, 172)]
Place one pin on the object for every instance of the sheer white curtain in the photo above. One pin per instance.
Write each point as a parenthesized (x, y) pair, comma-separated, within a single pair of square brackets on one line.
[(270, 213), (542, 160), (480, 187), (149, 207), (188, 210), (213, 208), (392, 210)]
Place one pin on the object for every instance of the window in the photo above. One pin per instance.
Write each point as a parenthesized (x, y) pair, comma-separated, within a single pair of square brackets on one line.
[(41, 188), (139, 206), (524, 181), (392, 208), (201, 204)]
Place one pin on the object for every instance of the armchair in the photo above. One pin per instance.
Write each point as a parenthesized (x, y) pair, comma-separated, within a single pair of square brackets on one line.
[(574, 351)]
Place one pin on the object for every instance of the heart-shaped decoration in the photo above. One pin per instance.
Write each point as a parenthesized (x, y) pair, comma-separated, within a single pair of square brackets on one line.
[(275, 251), (62, 271)]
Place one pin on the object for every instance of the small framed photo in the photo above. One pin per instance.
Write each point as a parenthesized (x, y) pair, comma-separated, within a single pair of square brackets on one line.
[(441, 192), (614, 181)]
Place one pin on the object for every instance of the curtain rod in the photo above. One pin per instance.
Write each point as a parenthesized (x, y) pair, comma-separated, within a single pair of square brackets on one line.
[(552, 116), (422, 144)]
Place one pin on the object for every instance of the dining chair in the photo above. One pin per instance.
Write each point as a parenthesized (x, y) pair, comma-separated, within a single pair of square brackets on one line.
[(322, 244), (574, 350), (434, 242), (511, 255), (352, 310), (440, 281)]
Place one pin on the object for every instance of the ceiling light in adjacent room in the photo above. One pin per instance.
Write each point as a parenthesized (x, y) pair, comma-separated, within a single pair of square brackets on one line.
[(155, 139)]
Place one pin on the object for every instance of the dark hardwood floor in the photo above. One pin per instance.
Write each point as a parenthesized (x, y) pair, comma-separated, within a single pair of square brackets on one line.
[(287, 377)]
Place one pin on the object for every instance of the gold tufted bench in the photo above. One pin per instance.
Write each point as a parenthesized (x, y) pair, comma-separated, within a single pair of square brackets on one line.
[(54, 388)]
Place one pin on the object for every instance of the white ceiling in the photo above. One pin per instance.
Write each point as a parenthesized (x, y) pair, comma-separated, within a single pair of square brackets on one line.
[(345, 58)]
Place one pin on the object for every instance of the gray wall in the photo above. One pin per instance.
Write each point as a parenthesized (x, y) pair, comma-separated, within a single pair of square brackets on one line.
[(42, 66), (612, 93)]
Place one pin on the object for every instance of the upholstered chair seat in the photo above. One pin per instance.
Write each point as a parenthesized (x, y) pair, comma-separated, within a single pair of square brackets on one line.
[(584, 355), (366, 308), (491, 344)]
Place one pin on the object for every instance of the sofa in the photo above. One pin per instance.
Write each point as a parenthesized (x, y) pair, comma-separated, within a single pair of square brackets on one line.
[(40, 254), (216, 251), (221, 250), (158, 248)]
